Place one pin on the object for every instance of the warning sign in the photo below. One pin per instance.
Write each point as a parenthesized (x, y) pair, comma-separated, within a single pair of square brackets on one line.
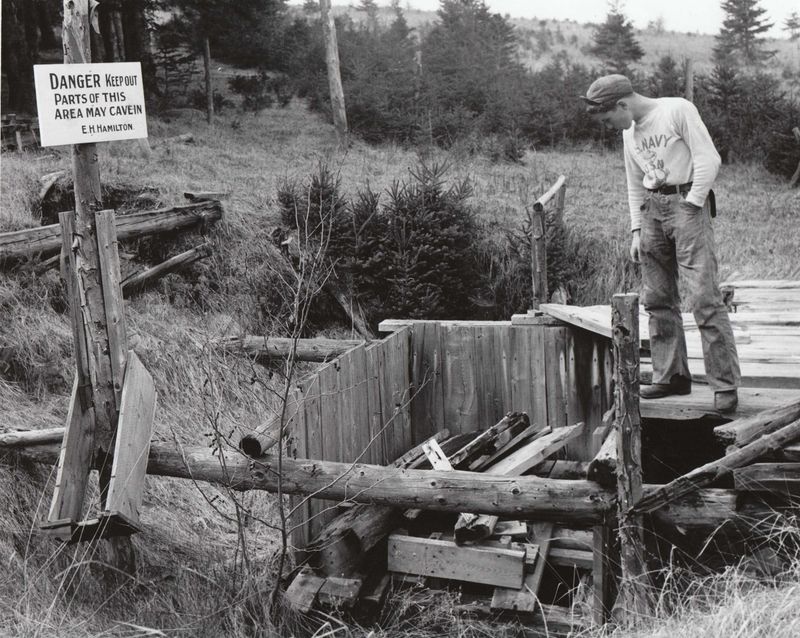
[(82, 103)]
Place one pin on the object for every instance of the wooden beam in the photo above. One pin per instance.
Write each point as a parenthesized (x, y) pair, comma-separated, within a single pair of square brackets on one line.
[(139, 281), (700, 404), (46, 240), (714, 470), (267, 348), (538, 257), (444, 559), (526, 598), (628, 426), (525, 496), (334, 75), (603, 467), (743, 431), (783, 478)]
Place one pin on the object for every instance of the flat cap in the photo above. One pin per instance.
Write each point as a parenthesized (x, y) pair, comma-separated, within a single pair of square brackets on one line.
[(607, 89)]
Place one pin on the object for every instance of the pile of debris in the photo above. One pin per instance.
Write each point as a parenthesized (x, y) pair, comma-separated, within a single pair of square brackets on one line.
[(495, 567)]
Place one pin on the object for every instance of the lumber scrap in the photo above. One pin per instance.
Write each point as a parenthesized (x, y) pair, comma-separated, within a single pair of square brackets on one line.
[(445, 559), (513, 422), (710, 472), (302, 592), (472, 527), (139, 281), (525, 599), (26, 438), (603, 467), (783, 478), (340, 593), (46, 240), (743, 431)]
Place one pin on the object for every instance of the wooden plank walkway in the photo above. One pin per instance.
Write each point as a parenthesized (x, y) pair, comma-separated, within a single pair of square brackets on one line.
[(766, 323)]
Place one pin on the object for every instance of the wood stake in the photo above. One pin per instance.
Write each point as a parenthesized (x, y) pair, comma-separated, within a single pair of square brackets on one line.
[(634, 585)]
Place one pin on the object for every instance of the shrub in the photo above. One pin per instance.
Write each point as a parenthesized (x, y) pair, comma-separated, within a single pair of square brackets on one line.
[(415, 255)]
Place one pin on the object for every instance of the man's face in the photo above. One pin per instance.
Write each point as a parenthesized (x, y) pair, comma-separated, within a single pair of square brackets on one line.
[(617, 119)]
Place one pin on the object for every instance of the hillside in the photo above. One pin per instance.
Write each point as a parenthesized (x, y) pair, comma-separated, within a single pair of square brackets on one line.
[(543, 40), (206, 557)]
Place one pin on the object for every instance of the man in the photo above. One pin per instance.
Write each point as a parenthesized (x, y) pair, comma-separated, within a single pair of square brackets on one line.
[(671, 164)]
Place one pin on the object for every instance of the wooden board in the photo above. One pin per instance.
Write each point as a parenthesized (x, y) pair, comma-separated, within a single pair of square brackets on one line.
[(360, 405), (132, 442), (783, 478), (533, 453), (374, 359), (444, 559), (427, 403), (74, 463), (525, 599), (460, 380), (700, 403), (302, 593)]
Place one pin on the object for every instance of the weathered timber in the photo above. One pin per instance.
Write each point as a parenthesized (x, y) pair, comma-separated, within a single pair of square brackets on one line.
[(527, 433), (743, 431), (603, 467), (46, 240), (472, 527), (199, 196), (444, 559), (139, 281), (634, 582), (526, 598), (538, 256), (26, 438), (515, 422), (342, 545), (602, 573), (783, 478), (302, 592), (707, 509), (341, 593), (334, 75), (710, 472), (318, 350), (569, 557), (560, 469), (700, 403)]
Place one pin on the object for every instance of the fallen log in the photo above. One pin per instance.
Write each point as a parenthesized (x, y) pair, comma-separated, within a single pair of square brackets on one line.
[(46, 240), (714, 470), (743, 431), (706, 510), (266, 348), (139, 281), (26, 438)]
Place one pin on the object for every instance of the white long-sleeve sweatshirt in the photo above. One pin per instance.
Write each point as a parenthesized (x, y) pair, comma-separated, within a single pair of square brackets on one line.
[(670, 145)]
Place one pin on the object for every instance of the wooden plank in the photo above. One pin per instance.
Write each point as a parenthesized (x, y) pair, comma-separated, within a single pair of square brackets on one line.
[(307, 415), (535, 452), (603, 467), (349, 438), (427, 404), (374, 361), (360, 405), (556, 366), (108, 259), (521, 344), (460, 380), (302, 593), (773, 284), (501, 336), (489, 377), (132, 444), (435, 455), (341, 593), (525, 599), (602, 573), (700, 403), (394, 325), (539, 377), (527, 433), (510, 528), (511, 423), (568, 557), (397, 381), (322, 439), (754, 375), (74, 463), (404, 348), (783, 478), (444, 559)]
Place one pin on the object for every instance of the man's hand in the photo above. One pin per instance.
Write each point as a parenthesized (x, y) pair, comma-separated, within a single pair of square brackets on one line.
[(635, 238)]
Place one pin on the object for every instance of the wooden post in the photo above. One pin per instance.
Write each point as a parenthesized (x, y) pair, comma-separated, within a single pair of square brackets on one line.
[(632, 601), (334, 76), (688, 82), (538, 257), (209, 89)]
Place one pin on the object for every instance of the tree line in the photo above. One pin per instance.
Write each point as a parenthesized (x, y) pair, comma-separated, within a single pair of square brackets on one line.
[(458, 81)]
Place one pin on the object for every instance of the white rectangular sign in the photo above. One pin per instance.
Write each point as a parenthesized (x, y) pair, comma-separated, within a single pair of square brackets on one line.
[(82, 103)]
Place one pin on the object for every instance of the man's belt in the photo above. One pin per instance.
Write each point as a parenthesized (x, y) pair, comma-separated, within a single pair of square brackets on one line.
[(672, 189)]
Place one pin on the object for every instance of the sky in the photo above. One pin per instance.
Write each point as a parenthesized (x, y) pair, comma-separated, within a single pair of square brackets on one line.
[(692, 16)]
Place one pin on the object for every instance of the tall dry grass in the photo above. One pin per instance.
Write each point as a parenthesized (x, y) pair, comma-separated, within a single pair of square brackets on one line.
[(204, 558)]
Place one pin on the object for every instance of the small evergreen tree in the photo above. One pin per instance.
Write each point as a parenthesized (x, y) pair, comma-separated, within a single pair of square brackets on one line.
[(668, 78), (615, 43), (792, 25), (740, 38)]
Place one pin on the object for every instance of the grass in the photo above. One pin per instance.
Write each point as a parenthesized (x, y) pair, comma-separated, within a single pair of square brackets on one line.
[(201, 571)]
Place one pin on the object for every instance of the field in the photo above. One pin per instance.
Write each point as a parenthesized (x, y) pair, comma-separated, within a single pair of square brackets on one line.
[(206, 559)]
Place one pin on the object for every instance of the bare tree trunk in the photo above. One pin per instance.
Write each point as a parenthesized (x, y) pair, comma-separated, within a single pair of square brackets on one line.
[(334, 75), (209, 90)]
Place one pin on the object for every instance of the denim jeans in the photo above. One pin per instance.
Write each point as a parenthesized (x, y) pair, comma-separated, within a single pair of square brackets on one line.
[(677, 239)]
